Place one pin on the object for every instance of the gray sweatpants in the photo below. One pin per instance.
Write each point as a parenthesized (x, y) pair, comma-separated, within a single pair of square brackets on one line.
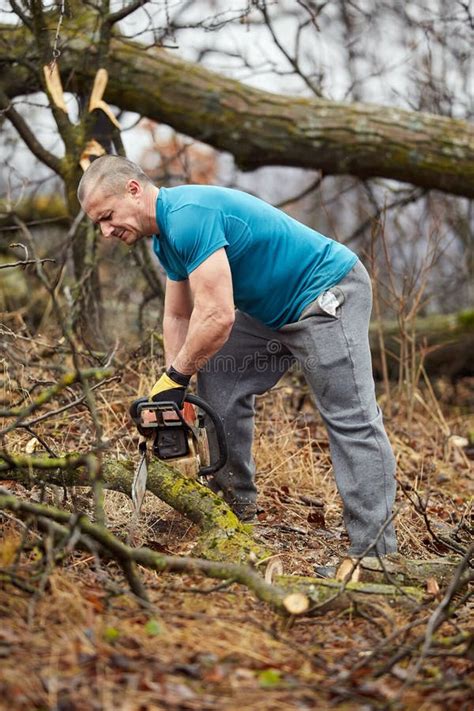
[(333, 352)]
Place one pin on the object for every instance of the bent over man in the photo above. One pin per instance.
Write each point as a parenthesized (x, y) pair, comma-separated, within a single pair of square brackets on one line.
[(250, 289)]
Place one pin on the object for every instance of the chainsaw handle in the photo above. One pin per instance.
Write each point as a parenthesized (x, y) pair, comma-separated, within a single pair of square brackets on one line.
[(220, 434)]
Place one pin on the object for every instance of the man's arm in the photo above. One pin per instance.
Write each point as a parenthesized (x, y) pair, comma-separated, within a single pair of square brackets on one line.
[(177, 312), (211, 318)]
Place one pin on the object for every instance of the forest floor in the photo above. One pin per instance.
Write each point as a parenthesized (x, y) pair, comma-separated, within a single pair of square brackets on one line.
[(81, 641)]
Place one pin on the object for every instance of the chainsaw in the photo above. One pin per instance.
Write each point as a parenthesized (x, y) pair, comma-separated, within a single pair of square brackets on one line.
[(179, 438)]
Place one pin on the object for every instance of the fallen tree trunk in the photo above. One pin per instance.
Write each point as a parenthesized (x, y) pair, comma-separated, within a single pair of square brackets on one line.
[(445, 340), (257, 127), (223, 536)]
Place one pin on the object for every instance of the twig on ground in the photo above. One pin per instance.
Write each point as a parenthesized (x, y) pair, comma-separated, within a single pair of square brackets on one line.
[(128, 557)]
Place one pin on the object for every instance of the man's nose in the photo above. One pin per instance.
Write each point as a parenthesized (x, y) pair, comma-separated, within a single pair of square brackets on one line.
[(106, 229)]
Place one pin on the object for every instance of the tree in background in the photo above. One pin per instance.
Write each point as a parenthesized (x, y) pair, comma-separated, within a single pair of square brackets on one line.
[(328, 60)]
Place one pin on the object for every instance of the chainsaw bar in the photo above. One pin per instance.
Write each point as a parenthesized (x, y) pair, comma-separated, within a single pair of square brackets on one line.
[(140, 478)]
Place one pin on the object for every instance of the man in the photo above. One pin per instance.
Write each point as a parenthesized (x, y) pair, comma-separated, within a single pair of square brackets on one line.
[(298, 295)]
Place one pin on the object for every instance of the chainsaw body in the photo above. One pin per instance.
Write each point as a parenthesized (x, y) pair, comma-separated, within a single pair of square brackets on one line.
[(182, 443)]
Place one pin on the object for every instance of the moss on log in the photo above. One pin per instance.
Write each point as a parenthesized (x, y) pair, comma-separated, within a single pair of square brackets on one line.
[(223, 536), (331, 594)]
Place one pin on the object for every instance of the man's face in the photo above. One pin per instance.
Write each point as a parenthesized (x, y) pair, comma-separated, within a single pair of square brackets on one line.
[(119, 215)]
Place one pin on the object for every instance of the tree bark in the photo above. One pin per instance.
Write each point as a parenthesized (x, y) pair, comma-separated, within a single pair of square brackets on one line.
[(223, 536), (257, 127), (88, 315)]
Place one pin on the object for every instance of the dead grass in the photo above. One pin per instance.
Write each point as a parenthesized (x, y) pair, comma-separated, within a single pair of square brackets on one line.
[(86, 644)]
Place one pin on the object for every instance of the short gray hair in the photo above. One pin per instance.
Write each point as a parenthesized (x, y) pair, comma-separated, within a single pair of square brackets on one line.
[(110, 174)]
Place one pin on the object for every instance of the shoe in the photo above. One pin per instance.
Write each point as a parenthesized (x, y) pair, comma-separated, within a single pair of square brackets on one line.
[(246, 511), (348, 570)]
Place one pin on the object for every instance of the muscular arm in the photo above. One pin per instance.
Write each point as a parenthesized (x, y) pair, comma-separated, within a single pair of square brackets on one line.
[(177, 312), (208, 301)]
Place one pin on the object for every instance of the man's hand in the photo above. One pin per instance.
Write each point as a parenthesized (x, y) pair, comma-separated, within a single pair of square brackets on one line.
[(170, 387)]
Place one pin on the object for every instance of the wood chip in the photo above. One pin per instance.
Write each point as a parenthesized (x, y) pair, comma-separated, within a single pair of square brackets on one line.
[(273, 569), (348, 571), (31, 445), (432, 587)]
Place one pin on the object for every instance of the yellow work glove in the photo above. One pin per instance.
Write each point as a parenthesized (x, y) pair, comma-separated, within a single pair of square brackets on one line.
[(171, 387)]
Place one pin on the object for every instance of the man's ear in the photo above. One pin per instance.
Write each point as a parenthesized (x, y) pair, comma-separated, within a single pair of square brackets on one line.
[(134, 187)]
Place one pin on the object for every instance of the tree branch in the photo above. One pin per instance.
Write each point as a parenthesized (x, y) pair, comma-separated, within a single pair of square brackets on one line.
[(127, 557), (293, 61), (69, 405), (27, 21), (260, 128), (47, 395), (124, 12), (25, 262), (27, 135)]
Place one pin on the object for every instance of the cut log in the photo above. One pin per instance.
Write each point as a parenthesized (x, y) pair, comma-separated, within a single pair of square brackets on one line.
[(400, 570), (399, 580), (331, 594)]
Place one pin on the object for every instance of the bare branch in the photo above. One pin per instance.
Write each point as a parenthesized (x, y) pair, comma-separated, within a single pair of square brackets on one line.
[(69, 405), (48, 394), (25, 263), (28, 136), (124, 12), (306, 191), (293, 60), (26, 19)]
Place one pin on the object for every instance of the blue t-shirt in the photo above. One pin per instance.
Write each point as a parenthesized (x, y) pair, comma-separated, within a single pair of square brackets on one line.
[(278, 265)]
